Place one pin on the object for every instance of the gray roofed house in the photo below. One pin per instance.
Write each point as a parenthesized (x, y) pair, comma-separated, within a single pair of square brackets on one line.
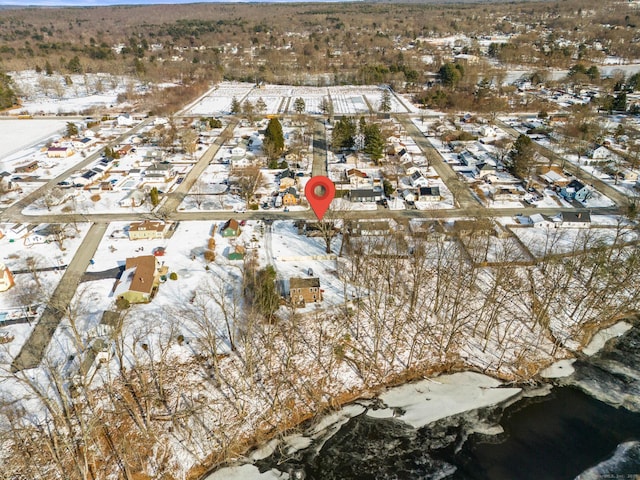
[(365, 195)]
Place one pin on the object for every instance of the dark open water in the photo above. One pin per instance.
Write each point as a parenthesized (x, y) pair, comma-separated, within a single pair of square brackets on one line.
[(566, 434)]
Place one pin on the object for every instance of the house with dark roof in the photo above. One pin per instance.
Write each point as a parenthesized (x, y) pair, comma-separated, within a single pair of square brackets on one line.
[(304, 290), (429, 194), (575, 219), (365, 195), (576, 190)]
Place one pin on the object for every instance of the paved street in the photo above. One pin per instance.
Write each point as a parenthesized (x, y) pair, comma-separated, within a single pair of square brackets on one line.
[(36, 345), (319, 148), (467, 205), (460, 190)]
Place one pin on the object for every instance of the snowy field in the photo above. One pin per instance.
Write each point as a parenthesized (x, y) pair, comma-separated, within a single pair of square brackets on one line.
[(347, 100), (26, 136), (52, 95)]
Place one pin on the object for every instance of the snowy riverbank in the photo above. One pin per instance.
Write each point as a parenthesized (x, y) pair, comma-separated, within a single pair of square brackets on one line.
[(417, 404)]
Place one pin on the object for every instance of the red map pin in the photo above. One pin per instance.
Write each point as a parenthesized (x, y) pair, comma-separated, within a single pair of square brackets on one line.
[(319, 192)]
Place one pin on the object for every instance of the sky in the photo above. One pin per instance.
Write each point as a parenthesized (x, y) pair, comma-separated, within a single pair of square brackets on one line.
[(98, 3)]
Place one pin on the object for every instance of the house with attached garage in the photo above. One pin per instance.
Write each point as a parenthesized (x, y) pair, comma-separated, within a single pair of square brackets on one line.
[(140, 279)]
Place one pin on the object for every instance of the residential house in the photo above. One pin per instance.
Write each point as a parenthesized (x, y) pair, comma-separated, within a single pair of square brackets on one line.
[(134, 198), (304, 290), (429, 194), (125, 150), (575, 219), (576, 190), (540, 221), (81, 143), (365, 195), (125, 120), (290, 197), (417, 179), (148, 229), (139, 279), (60, 152), (6, 278), (506, 194), (554, 178), (369, 227), (629, 175), (358, 179), (600, 153), (236, 253), (286, 183), (160, 171), (86, 178), (27, 168), (230, 229)]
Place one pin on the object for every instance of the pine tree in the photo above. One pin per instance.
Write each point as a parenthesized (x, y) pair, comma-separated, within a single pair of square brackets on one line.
[(154, 196), (299, 105), (373, 142), (385, 101), (8, 97), (235, 106), (344, 133), (72, 129), (273, 139), (522, 156)]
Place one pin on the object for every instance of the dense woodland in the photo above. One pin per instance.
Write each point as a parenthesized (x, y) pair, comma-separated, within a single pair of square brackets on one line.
[(363, 43)]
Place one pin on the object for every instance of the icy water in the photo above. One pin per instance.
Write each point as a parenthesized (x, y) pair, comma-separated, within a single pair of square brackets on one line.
[(587, 427)]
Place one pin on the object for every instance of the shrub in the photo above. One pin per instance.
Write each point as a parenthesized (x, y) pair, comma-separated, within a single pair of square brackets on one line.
[(95, 198), (122, 303), (173, 276)]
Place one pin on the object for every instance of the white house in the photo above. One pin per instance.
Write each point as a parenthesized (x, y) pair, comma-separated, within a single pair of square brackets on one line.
[(125, 120), (575, 219), (600, 153), (133, 198)]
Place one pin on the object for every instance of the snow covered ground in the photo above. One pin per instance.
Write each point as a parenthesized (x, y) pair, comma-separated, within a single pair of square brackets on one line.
[(53, 95), (347, 100), (25, 137)]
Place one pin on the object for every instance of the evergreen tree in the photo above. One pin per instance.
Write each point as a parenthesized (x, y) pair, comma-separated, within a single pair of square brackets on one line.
[(273, 139), (344, 132), (72, 129), (235, 106), (620, 102), (74, 65), (373, 142), (522, 156), (154, 196), (450, 74), (261, 106), (385, 101), (299, 105), (8, 97)]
